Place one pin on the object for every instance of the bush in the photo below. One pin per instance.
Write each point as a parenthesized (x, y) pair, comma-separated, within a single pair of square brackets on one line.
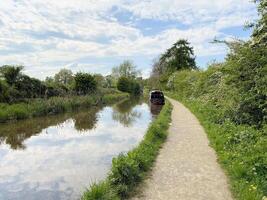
[(128, 85), (84, 83)]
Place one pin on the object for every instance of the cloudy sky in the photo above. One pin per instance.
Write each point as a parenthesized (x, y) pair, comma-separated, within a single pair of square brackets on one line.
[(95, 35)]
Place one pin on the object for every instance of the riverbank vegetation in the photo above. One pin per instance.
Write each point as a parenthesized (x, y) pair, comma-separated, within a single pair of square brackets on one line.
[(55, 105), (23, 97), (127, 78), (230, 100), (129, 169)]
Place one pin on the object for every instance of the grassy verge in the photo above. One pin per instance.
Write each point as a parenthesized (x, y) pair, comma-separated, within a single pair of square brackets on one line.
[(55, 105), (241, 149), (128, 170)]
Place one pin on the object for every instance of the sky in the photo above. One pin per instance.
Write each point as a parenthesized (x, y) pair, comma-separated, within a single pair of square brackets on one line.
[(95, 35)]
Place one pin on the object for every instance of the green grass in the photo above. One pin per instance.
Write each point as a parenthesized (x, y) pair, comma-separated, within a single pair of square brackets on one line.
[(241, 149), (128, 170), (55, 105)]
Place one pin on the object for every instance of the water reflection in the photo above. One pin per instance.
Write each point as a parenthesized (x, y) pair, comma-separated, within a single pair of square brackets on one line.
[(125, 113), (155, 109), (86, 120), (15, 133), (56, 157)]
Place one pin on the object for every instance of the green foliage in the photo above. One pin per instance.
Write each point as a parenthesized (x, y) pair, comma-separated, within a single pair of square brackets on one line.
[(259, 35), (10, 73), (129, 169), (124, 84), (247, 70), (236, 87), (3, 91), (126, 69), (100, 191), (29, 87), (85, 83), (64, 76), (179, 56), (131, 86), (54, 105)]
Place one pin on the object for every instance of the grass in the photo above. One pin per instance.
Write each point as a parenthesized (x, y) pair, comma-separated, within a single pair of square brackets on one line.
[(128, 170), (241, 150), (55, 105)]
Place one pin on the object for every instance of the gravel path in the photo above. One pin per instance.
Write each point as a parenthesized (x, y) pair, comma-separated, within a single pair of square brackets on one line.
[(186, 167)]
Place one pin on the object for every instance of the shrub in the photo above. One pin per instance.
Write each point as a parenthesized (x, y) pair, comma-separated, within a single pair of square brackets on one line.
[(129, 85), (100, 191), (84, 83)]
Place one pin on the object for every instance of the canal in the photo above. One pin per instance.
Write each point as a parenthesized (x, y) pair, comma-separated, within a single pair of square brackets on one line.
[(58, 157)]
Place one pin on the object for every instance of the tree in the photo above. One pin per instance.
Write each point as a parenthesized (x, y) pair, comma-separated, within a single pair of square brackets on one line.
[(129, 85), (84, 83), (124, 84), (3, 91), (64, 76), (10, 73), (126, 69), (29, 87), (179, 56), (259, 34), (99, 79), (109, 82)]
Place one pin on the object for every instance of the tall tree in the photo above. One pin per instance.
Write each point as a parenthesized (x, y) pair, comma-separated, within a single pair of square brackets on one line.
[(259, 34), (126, 69), (10, 73), (64, 76), (179, 56)]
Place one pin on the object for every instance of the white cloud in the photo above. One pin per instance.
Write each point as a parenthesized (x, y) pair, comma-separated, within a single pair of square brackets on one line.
[(38, 33)]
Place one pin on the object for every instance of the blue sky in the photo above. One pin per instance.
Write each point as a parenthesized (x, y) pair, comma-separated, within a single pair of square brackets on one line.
[(96, 35)]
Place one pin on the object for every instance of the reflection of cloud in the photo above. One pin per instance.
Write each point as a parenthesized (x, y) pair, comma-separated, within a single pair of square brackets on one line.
[(60, 162)]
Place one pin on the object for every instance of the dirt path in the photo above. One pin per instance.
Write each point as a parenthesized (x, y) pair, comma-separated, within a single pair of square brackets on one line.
[(186, 167)]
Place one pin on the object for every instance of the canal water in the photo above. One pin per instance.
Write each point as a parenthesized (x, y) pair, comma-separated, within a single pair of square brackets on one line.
[(58, 157)]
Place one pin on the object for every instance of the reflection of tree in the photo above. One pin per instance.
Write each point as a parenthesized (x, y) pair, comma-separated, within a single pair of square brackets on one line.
[(155, 109), (86, 120), (15, 133), (123, 112)]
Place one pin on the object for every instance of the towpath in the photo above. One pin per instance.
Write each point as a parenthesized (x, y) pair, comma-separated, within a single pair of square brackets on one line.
[(186, 167)]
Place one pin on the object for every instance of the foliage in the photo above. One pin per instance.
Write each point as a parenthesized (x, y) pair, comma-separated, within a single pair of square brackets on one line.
[(64, 76), (126, 69), (10, 73), (237, 87), (100, 191), (259, 35), (54, 105), (179, 57), (100, 80), (29, 87), (129, 169), (85, 83), (246, 67), (131, 86)]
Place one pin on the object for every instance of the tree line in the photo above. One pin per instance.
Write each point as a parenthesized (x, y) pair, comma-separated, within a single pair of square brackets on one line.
[(15, 86)]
